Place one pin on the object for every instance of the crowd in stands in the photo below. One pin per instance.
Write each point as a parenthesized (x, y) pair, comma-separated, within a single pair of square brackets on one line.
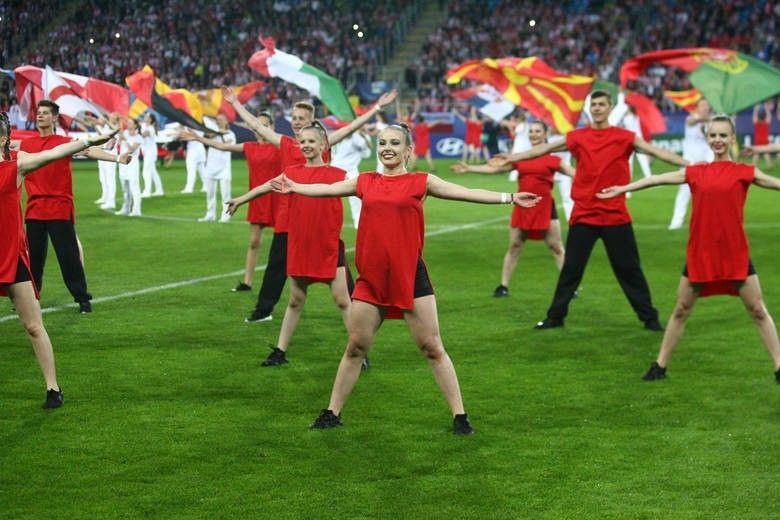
[(206, 43)]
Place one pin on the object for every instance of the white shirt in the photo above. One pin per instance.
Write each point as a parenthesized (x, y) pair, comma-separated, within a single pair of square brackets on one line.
[(218, 161), (348, 153), (149, 141), (521, 142), (695, 147)]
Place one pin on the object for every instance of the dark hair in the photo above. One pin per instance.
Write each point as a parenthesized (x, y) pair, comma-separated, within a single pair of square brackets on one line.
[(540, 123), (5, 131), (598, 93), (266, 114), (154, 121), (723, 118), (55, 108)]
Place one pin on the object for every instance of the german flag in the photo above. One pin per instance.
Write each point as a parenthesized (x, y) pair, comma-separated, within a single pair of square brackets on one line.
[(213, 104), (178, 105), (530, 83)]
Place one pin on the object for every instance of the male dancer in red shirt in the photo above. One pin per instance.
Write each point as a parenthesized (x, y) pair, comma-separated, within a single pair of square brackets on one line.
[(602, 152)]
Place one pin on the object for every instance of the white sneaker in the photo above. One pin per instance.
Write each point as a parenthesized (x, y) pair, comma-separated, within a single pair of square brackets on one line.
[(135, 214), (145, 195), (224, 219), (121, 212), (185, 191), (158, 194), (100, 201), (207, 218), (674, 225), (108, 206)]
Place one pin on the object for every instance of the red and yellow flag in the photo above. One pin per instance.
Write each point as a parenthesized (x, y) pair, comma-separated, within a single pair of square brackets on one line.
[(530, 83), (685, 99), (212, 103)]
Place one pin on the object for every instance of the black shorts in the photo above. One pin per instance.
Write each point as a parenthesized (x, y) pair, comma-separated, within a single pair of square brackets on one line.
[(342, 255), (751, 269), (422, 284), (553, 211), (22, 273)]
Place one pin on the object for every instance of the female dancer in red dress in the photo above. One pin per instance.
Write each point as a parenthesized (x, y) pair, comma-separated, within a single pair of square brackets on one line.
[(315, 252), (15, 276), (540, 223), (718, 259), (393, 279)]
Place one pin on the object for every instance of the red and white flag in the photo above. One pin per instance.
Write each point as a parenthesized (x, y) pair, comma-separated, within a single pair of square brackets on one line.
[(57, 90)]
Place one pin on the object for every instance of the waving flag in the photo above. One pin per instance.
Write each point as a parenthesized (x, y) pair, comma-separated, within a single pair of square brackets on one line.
[(487, 100), (273, 63), (729, 80), (213, 104), (178, 105), (685, 99), (107, 97), (55, 89), (530, 83), (650, 117)]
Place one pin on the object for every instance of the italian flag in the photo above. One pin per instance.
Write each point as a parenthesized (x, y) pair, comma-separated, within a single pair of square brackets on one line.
[(273, 63)]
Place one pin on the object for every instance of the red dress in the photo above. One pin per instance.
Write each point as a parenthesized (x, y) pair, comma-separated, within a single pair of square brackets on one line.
[(535, 176), (474, 133), (264, 164), (13, 240), (717, 246), (422, 139), (761, 133), (390, 239), (290, 154), (602, 161), (49, 189), (314, 225)]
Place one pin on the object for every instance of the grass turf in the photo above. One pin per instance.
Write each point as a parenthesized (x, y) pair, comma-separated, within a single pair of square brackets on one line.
[(168, 413)]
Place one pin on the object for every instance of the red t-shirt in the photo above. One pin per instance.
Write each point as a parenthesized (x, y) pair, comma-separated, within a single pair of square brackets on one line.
[(13, 241), (291, 155), (264, 164), (49, 189), (390, 239), (314, 226), (717, 245), (602, 161), (535, 176)]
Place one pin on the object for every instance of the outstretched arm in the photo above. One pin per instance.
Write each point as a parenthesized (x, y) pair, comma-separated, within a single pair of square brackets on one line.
[(677, 177), (343, 188), (229, 95), (750, 151), (766, 181), (502, 160), (384, 100), (28, 162), (188, 135), (447, 190), (103, 155), (640, 145), (257, 191), (462, 167)]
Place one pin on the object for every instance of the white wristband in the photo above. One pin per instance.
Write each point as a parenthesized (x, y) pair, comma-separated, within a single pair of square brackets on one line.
[(117, 158), (503, 198)]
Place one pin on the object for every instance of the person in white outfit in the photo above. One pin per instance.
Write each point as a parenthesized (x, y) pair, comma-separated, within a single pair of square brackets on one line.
[(631, 122), (195, 162), (347, 155), (695, 149), (563, 181), (130, 142), (218, 171), (107, 169), (521, 143), (152, 179)]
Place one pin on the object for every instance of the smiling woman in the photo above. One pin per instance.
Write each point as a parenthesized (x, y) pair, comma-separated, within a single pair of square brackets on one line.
[(393, 280)]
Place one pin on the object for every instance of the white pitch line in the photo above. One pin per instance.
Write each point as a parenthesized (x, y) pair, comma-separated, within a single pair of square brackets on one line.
[(193, 281)]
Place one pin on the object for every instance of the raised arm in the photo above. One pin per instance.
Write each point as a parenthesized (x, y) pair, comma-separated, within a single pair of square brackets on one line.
[(447, 190), (384, 100), (343, 188), (462, 167), (750, 151), (501, 160), (229, 95), (640, 145), (26, 163), (677, 177), (766, 181)]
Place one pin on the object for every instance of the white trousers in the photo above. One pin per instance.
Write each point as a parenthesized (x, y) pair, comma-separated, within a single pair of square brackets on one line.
[(131, 188), (564, 186), (211, 196), (644, 163), (151, 177), (107, 175), (195, 165), (680, 205)]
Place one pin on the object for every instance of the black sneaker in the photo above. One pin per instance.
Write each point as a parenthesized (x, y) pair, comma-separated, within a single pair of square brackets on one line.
[(53, 398), (654, 325), (85, 307), (501, 291), (366, 364), (275, 358), (655, 373), (461, 425), (258, 316), (241, 287), (326, 420), (549, 323)]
